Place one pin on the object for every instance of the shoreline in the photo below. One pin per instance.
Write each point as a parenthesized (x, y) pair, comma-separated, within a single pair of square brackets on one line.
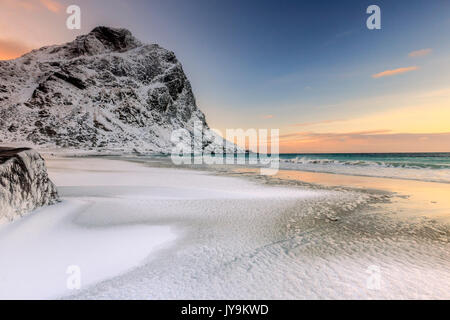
[(413, 198)]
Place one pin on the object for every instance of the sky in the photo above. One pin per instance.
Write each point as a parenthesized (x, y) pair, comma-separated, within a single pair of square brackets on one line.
[(311, 69)]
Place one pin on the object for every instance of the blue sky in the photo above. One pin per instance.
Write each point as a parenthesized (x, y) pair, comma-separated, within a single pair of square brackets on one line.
[(279, 63), (265, 56)]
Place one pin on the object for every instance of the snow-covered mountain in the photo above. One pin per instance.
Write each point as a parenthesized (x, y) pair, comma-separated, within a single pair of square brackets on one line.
[(24, 183), (104, 91)]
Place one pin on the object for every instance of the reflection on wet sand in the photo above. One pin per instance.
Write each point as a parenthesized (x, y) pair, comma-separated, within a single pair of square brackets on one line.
[(413, 198)]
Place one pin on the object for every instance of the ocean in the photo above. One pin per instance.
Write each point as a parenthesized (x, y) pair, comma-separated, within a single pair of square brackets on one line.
[(433, 167), (428, 167)]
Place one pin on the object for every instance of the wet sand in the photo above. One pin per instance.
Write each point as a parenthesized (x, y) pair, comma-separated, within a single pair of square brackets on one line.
[(412, 199)]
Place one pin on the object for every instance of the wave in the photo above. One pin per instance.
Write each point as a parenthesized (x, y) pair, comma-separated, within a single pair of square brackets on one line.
[(364, 163), (408, 169)]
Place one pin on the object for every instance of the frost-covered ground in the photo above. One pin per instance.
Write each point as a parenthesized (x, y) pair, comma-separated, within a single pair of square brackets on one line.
[(141, 232)]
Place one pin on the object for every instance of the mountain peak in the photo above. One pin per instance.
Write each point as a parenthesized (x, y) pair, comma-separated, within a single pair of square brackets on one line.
[(115, 38), (104, 39)]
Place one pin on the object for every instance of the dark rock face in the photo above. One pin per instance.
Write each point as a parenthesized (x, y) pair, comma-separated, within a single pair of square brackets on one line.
[(103, 91), (24, 183)]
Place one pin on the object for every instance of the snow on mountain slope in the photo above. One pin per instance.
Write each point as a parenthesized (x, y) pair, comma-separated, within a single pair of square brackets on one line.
[(24, 183), (104, 91)]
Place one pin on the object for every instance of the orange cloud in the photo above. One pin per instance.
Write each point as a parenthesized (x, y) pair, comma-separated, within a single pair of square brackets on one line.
[(21, 4), (420, 53), (307, 124), (394, 72), (11, 49), (298, 136), (51, 5), (375, 141), (268, 116)]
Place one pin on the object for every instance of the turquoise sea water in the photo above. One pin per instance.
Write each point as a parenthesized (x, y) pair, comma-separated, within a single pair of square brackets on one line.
[(394, 160), (417, 166), (432, 167)]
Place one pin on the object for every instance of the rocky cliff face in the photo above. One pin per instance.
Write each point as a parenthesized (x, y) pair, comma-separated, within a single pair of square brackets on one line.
[(24, 183), (103, 91)]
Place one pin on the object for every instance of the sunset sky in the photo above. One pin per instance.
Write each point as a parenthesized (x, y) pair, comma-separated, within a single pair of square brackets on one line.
[(309, 68)]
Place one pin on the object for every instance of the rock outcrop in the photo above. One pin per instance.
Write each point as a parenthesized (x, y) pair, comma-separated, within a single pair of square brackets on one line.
[(24, 183)]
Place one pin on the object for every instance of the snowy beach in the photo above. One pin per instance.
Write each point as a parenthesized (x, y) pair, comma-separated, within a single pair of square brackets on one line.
[(142, 230), (258, 152)]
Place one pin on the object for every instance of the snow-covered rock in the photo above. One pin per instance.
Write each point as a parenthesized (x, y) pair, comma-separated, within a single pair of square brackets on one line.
[(105, 91), (24, 183)]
